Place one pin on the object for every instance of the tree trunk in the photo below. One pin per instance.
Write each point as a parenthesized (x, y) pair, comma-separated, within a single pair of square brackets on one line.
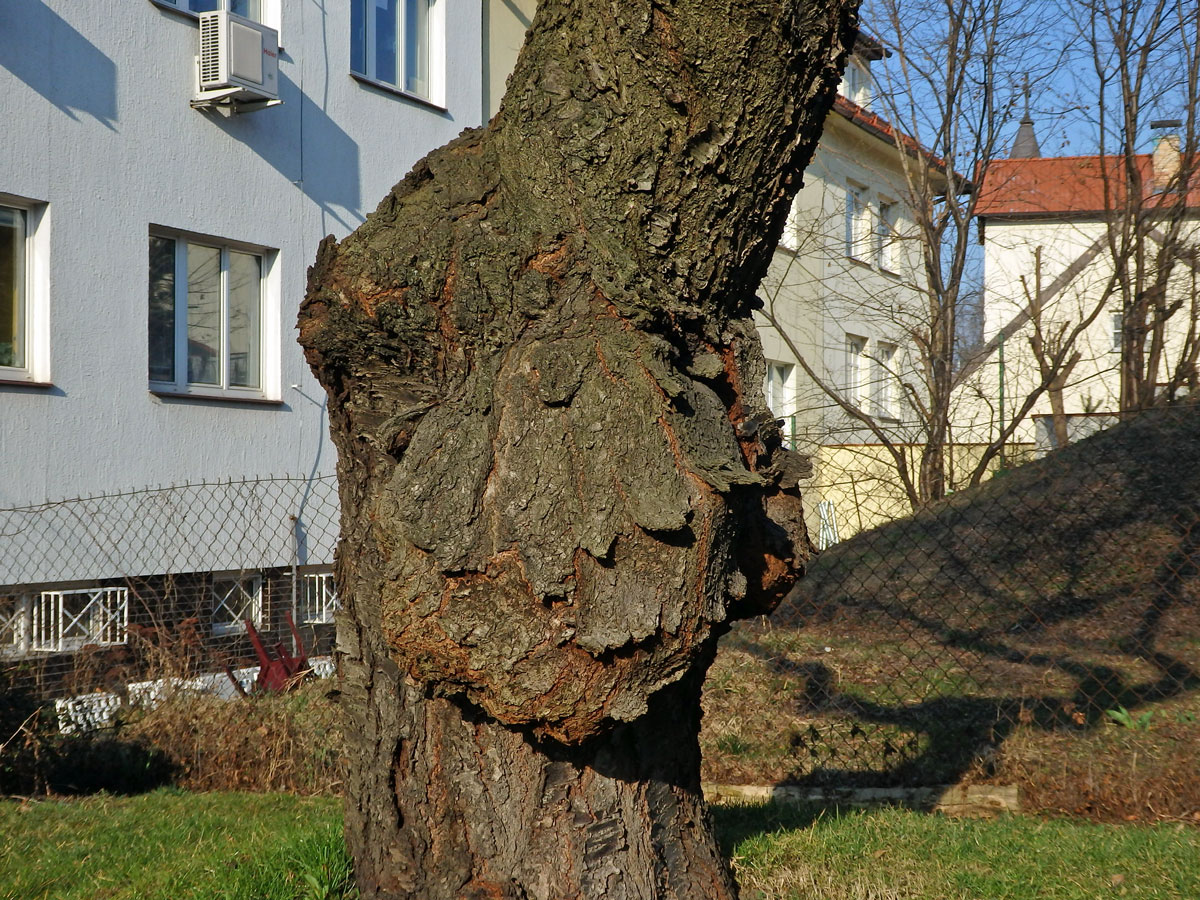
[(558, 474)]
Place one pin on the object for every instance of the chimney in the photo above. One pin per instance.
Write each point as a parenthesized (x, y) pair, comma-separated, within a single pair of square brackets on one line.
[(1165, 160)]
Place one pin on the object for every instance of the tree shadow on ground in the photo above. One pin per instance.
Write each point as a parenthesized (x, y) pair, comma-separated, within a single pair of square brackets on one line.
[(36, 759), (1063, 592)]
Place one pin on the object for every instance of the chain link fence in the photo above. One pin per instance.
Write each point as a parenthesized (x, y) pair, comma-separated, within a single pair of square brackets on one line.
[(1040, 629), (103, 597)]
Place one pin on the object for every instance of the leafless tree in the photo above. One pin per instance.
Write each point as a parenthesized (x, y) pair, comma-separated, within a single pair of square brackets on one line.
[(948, 99), (1144, 58)]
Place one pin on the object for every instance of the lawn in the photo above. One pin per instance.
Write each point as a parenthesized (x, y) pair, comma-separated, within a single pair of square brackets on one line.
[(181, 846), (895, 854), (172, 845)]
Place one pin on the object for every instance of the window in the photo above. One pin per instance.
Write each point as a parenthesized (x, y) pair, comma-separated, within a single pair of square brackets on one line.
[(885, 237), (206, 317), (13, 340), (24, 279), (883, 382), (856, 83), (397, 43), (235, 599), (264, 11), (780, 393), (14, 626), (318, 599), (68, 620), (856, 348), (859, 233), (778, 387), (1118, 333)]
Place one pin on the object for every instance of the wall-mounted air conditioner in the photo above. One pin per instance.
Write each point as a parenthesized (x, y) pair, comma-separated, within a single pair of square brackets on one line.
[(239, 62)]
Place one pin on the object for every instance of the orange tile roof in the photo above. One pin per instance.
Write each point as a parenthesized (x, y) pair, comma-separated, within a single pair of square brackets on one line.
[(880, 128), (1061, 185)]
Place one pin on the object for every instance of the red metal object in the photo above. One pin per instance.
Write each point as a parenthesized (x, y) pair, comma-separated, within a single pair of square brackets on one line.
[(281, 672)]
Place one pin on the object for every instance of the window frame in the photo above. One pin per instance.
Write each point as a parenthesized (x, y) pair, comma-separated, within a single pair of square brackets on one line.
[(884, 398), (780, 394), (270, 11), (238, 579), (885, 232), (860, 229), (1116, 336), (34, 326), (435, 32), (52, 637), (855, 347), (268, 388), (327, 601)]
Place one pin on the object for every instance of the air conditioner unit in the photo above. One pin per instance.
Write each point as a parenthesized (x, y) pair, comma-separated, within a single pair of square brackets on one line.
[(239, 61)]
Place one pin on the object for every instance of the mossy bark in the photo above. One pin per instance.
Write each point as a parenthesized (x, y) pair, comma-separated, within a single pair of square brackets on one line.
[(559, 478)]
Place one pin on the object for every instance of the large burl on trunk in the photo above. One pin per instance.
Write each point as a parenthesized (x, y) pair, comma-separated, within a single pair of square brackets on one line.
[(559, 478)]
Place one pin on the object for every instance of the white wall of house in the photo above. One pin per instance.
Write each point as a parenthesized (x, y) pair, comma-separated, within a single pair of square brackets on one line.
[(102, 147), (839, 277), (1018, 257), (1020, 254), (505, 23)]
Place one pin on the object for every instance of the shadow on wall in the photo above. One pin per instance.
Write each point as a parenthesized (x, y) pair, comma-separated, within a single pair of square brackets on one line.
[(46, 53), (312, 151)]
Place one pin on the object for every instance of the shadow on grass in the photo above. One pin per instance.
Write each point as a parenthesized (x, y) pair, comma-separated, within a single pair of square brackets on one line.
[(1078, 569), (736, 822), (36, 759)]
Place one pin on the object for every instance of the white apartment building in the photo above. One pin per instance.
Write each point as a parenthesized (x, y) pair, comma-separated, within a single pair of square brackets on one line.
[(155, 253), (154, 243), (1052, 229), (840, 302)]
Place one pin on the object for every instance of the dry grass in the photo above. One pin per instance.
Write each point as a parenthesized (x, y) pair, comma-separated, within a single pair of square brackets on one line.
[(267, 742)]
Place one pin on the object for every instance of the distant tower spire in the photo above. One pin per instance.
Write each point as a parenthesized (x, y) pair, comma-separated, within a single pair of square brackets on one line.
[(1025, 146)]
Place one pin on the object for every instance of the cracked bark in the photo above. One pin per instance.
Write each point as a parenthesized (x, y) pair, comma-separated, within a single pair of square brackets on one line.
[(558, 475)]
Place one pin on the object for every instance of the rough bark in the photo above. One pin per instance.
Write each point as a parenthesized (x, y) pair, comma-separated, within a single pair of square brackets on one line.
[(559, 478)]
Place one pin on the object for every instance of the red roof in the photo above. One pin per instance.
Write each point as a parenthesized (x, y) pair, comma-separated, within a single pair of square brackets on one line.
[(1061, 185), (882, 129), (879, 127)]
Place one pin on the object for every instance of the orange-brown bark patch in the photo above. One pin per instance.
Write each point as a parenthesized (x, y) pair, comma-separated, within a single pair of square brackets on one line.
[(552, 263)]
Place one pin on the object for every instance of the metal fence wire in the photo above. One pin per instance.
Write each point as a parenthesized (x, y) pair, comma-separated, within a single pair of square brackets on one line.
[(1020, 629), (100, 592), (1021, 626)]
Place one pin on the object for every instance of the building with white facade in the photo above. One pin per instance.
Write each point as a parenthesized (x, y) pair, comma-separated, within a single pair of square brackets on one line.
[(841, 302), (154, 243), (1072, 256)]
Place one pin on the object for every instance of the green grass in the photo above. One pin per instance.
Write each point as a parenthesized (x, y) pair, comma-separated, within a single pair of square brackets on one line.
[(886, 854), (170, 844)]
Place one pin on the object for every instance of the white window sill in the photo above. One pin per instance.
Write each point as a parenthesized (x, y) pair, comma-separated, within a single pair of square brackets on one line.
[(21, 378), (398, 91)]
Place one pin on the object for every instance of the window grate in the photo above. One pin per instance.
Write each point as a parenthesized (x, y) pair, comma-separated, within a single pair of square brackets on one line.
[(67, 620), (318, 599), (234, 600), (14, 626)]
